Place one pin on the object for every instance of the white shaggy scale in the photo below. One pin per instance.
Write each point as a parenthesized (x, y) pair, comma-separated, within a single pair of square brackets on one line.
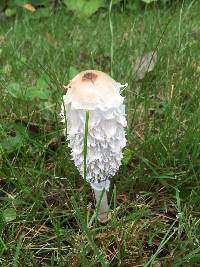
[(106, 138)]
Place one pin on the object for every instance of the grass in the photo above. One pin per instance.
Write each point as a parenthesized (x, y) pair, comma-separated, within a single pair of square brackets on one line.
[(155, 197)]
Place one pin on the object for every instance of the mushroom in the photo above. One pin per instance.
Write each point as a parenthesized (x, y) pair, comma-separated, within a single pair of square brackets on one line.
[(98, 94)]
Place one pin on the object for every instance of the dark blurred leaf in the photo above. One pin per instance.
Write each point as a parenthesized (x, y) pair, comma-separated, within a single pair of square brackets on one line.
[(2, 4), (11, 143), (40, 90)]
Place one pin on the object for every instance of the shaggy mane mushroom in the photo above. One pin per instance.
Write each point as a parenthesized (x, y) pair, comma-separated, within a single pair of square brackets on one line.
[(97, 93)]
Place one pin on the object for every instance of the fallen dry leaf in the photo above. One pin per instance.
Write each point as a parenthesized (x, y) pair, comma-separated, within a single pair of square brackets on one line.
[(195, 33), (144, 64), (29, 7), (158, 264), (2, 39)]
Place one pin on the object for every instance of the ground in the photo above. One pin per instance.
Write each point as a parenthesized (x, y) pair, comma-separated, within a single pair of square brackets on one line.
[(155, 196)]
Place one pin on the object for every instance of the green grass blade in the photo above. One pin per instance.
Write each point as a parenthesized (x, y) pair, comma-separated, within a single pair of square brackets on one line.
[(88, 234), (85, 162)]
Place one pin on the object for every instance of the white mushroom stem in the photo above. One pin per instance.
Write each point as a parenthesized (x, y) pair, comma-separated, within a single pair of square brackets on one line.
[(102, 206)]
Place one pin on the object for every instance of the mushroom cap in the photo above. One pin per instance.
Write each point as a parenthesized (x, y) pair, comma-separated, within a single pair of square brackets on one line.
[(92, 89)]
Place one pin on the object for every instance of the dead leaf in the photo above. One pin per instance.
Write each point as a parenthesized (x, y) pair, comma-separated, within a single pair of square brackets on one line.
[(53, 144), (2, 39), (195, 33), (158, 264), (104, 235), (29, 7), (144, 64)]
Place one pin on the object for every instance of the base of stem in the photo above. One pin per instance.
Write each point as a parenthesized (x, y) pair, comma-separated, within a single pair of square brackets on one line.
[(103, 215)]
